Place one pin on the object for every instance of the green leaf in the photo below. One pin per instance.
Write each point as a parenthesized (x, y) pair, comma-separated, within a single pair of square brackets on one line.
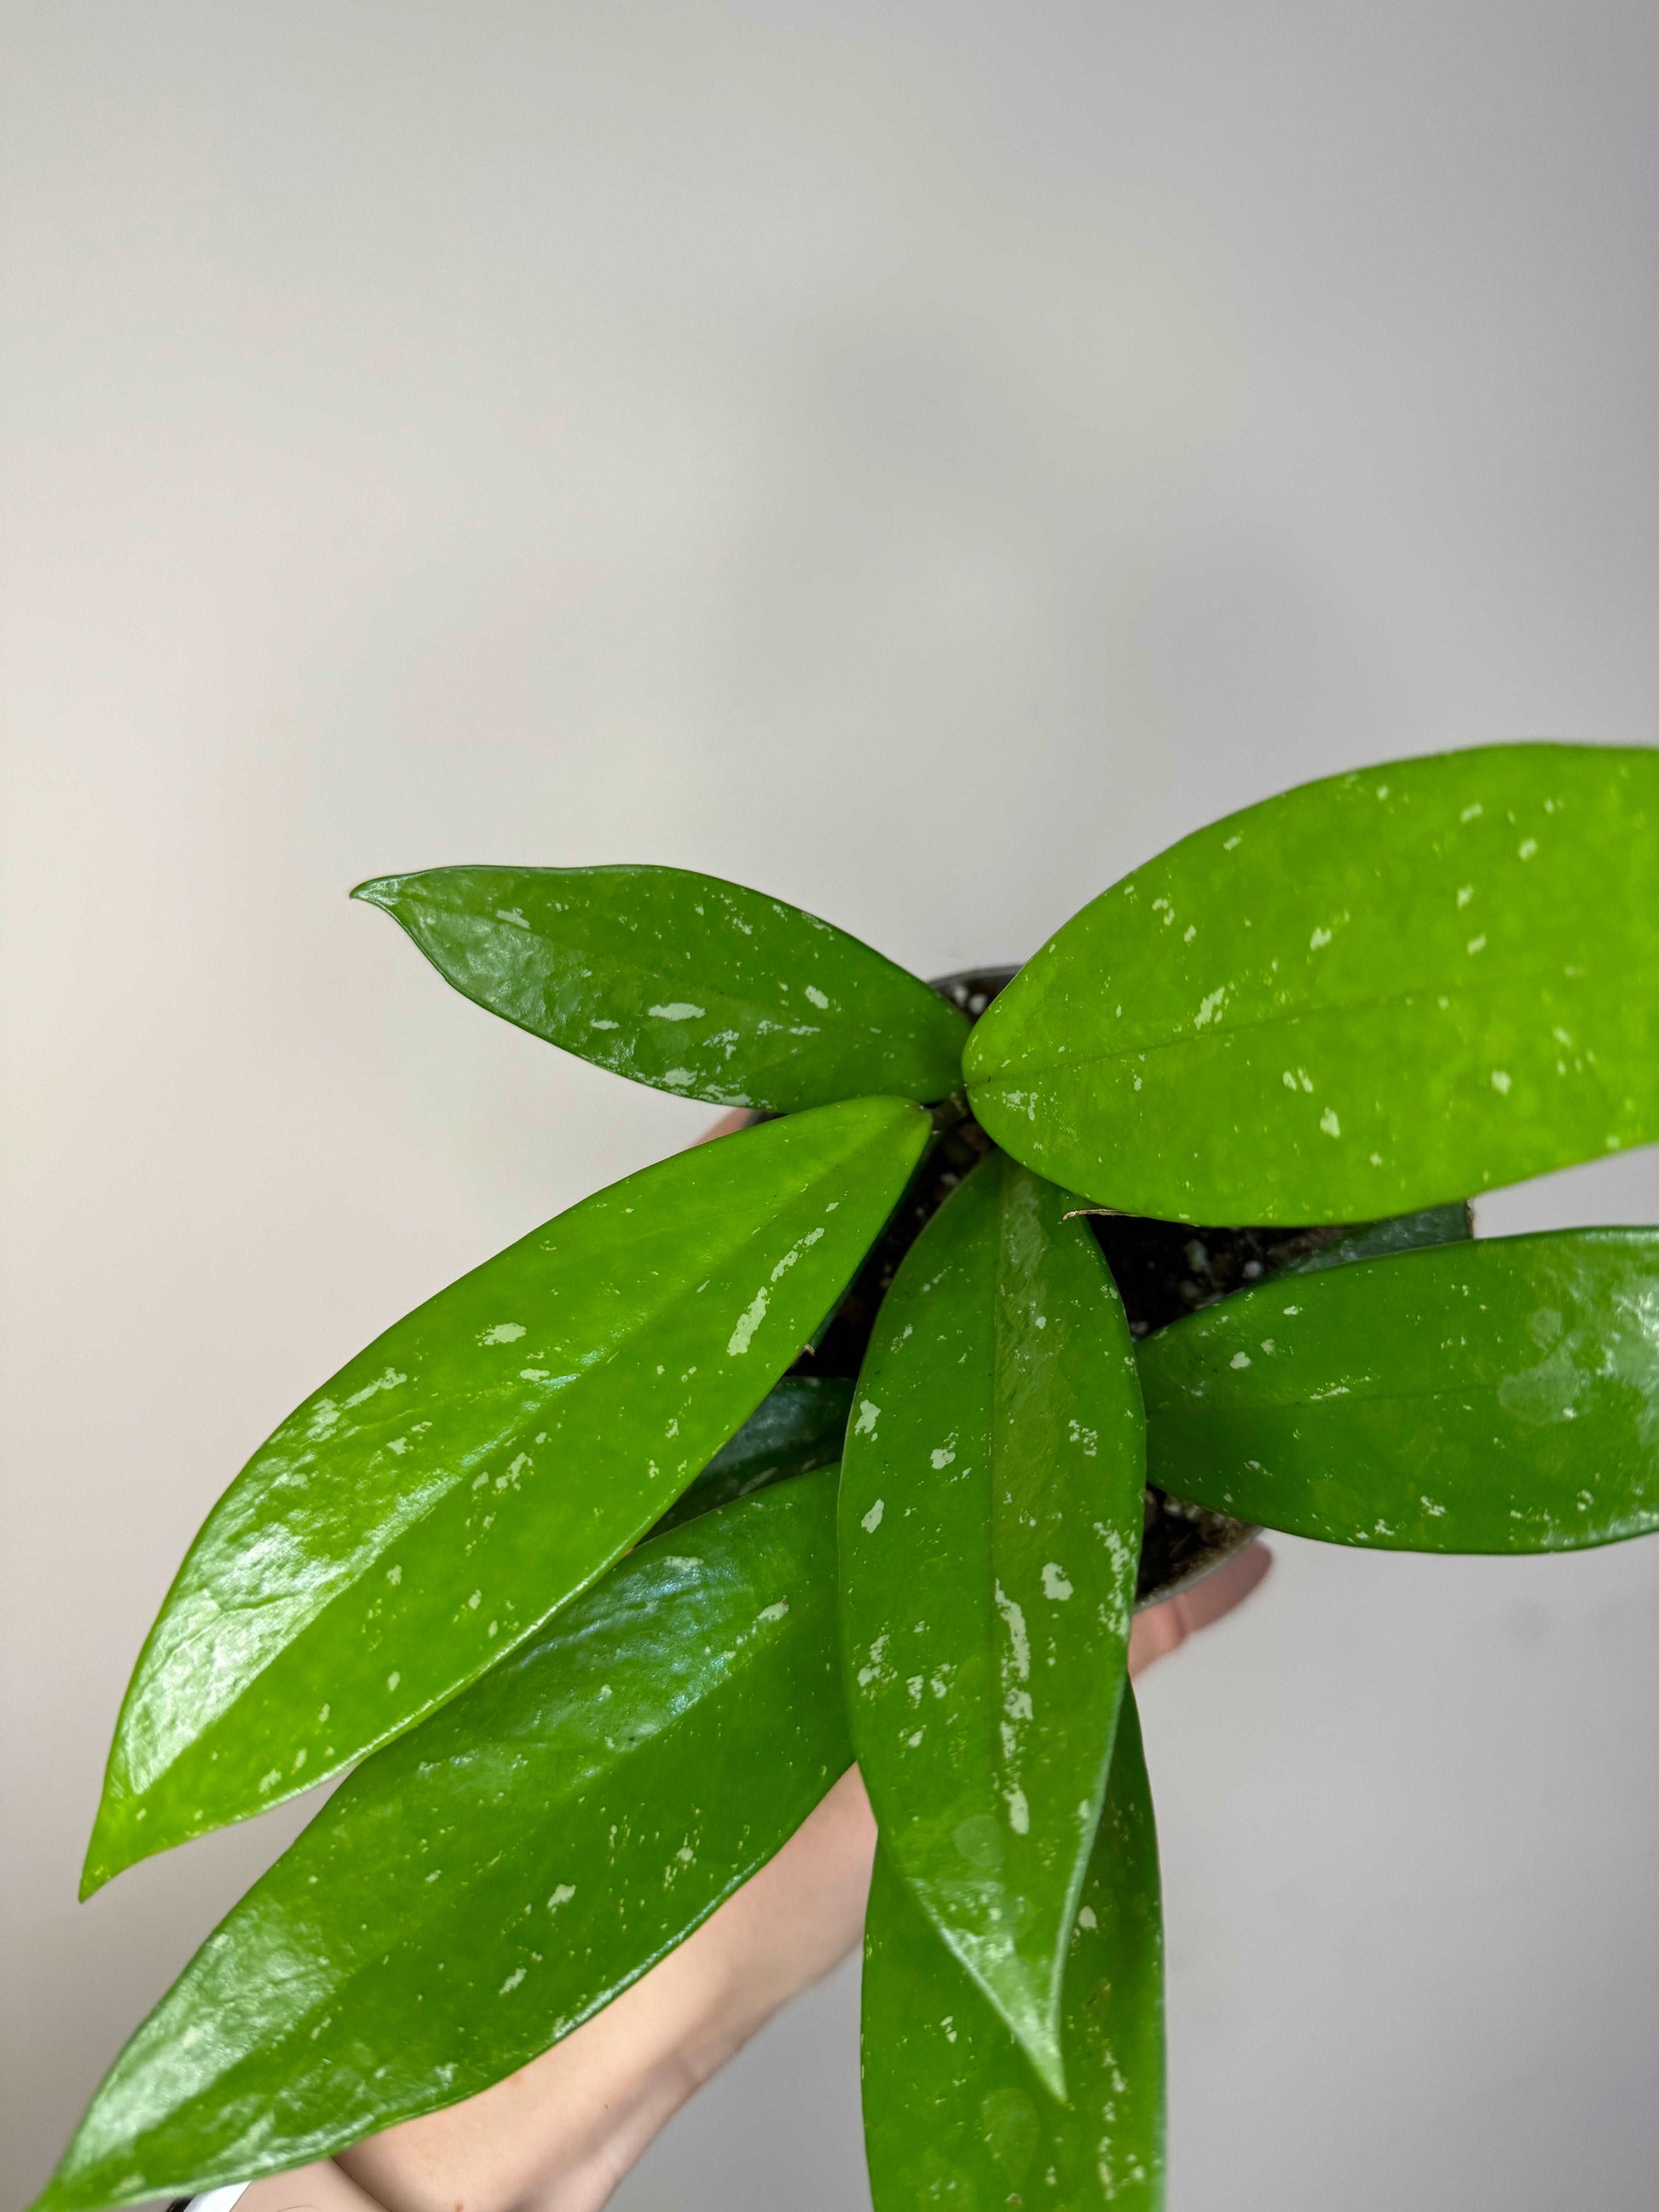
[(953, 2116), (1495, 1396), (795, 1430), (1379, 992), (682, 982), (1400, 1232), (480, 1888), (482, 1462), (991, 1513)]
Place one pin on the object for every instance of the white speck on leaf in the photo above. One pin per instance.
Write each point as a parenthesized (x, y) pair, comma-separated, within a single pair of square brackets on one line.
[(1054, 1584), (872, 1520), (1239, 1359), (505, 1332), (389, 1381), (1500, 1082), (794, 1252), (747, 1322), (1020, 1642), (869, 1414), (1329, 1122), (677, 1009)]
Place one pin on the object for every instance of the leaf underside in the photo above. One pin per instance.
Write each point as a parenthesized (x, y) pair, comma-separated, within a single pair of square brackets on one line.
[(992, 1508), (796, 1429), (1378, 992), (1496, 1395), (483, 1462), (953, 2114), (479, 1888), (682, 982)]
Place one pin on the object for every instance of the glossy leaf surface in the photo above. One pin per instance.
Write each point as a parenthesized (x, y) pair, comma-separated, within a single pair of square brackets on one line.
[(483, 1462), (477, 1890), (682, 982), (953, 2114), (796, 1429), (1501, 1395), (992, 1508), (1379, 992)]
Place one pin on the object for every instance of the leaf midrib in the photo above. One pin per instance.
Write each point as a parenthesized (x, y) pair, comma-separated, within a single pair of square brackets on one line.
[(1214, 1033)]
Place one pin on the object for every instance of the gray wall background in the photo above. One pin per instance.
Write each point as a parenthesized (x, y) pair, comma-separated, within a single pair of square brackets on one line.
[(917, 458)]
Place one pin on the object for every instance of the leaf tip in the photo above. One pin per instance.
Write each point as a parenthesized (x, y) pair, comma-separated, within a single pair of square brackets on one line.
[(378, 890), (112, 1848), (1040, 2041)]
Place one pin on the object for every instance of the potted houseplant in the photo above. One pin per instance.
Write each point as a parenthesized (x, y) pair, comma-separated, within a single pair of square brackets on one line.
[(1075, 1282)]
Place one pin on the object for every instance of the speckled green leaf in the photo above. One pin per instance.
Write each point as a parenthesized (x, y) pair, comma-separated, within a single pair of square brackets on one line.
[(796, 1429), (953, 2115), (991, 1514), (1379, 992), (682, 982), (1495, 1396), (477, 1890), (483, 1462)]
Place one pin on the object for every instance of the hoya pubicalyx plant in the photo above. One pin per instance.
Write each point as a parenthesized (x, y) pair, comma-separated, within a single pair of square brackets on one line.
[(1170, 1243)]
